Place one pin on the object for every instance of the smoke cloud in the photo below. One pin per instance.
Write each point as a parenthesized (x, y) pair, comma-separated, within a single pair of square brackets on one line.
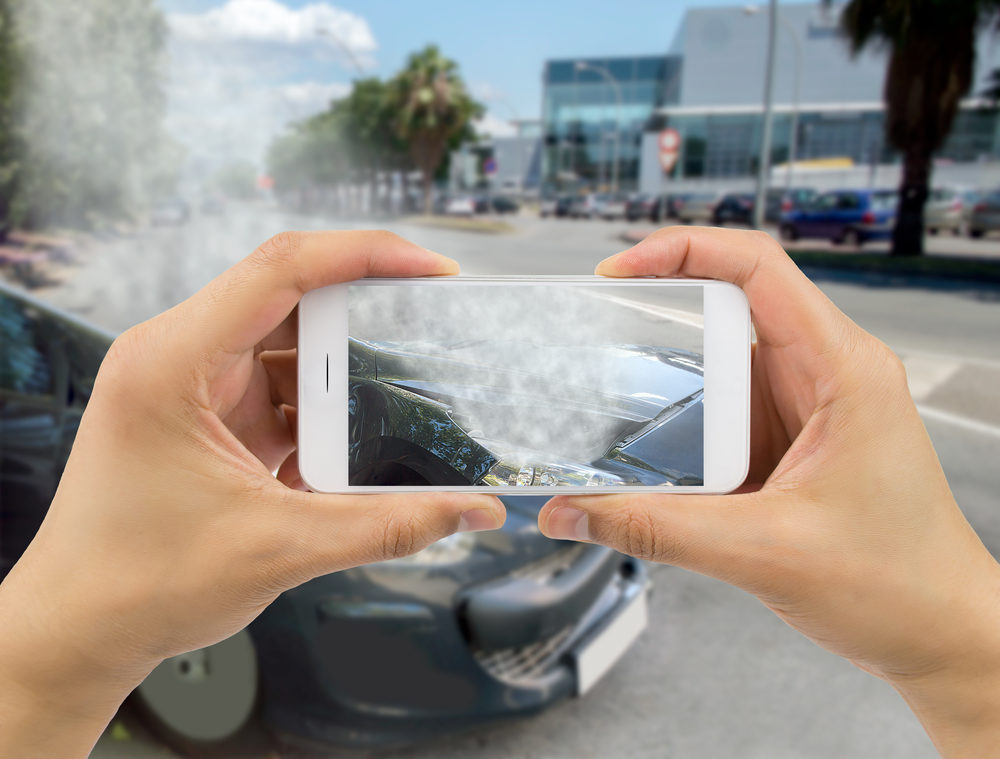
[(552, 369)]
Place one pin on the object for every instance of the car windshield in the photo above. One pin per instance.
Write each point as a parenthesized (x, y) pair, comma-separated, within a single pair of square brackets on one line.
[(884, 201)]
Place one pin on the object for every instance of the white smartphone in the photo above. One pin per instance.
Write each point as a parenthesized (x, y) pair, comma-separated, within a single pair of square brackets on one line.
[(527, 385)]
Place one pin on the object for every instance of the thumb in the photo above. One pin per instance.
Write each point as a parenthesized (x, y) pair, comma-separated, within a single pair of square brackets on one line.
[(329, 533), (721, 536)]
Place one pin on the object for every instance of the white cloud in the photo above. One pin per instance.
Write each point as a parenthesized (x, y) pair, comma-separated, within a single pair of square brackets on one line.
[(270, 21), (491, 126), (241, 72)]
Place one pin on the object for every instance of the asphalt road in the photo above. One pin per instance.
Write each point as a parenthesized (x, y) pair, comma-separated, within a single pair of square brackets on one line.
[(716, 674)]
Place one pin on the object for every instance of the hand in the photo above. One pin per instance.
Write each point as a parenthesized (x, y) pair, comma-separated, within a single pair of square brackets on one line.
[(846, 528), (168, 531)]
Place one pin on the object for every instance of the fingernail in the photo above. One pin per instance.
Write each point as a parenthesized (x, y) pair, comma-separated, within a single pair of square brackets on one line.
[(567, 523), (474, 520)]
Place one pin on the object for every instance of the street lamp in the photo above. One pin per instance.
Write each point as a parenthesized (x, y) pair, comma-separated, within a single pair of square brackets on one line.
[(325, 31), (584, 66), (793, 139), (764, 161)]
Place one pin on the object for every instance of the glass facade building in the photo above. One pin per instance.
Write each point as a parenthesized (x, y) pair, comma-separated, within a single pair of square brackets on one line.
[(709, 88), (590, 104)]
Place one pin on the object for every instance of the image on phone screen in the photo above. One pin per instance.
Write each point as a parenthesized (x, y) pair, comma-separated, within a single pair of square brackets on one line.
[(538, 385)]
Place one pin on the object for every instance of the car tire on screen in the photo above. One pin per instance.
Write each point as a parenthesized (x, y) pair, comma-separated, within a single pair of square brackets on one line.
[(851, 238), (204, 703)]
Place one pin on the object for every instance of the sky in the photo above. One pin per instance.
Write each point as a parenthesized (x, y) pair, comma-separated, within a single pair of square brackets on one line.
[(242, 69)]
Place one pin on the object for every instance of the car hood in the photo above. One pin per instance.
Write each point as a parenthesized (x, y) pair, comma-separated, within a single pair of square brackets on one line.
[(572, 401)]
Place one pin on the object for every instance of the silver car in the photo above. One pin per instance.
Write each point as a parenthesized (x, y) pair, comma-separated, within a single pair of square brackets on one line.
[(985, 216), (949, 208), (699, 208)]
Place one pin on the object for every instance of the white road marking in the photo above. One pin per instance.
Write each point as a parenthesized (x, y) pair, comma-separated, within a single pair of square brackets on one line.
[(925, 374), (957, 420), (689, 318)]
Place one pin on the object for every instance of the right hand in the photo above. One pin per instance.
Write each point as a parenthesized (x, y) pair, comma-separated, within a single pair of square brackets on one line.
[(846, 528)]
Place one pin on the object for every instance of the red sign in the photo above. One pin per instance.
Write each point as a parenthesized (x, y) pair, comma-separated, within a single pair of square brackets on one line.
[(670, 147), (265, 182)]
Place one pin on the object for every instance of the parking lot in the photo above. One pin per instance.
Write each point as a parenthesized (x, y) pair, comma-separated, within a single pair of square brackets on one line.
[(715, 674)]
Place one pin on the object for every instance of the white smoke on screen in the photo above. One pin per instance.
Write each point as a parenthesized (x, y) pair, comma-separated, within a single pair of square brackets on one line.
[(539, 341)]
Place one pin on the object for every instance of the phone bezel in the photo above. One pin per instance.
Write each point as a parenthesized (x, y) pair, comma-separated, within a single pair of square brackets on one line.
[(323, 379)]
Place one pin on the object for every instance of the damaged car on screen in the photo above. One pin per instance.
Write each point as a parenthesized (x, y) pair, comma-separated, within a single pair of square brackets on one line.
[(477, 628), (459, 414)]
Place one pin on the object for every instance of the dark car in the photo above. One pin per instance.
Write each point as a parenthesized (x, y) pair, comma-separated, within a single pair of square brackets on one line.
[(734, 208), (782, 201), (852, 217), (669, 206), (479, 627), (496, 204), (640, 207), (555, 206), (437, 414)]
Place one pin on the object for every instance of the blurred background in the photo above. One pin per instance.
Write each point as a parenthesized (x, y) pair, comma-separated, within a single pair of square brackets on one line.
[(146, 146)]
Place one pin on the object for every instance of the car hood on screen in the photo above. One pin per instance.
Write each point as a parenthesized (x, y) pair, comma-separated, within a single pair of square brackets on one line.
[(611, 390)]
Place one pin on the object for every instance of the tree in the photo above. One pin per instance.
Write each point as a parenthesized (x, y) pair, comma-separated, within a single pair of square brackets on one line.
[(86, 136), (431, 111), (932, 51)]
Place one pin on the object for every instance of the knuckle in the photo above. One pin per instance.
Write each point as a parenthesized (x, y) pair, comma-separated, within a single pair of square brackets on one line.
[(401, 536), (279, 250), (638, 535)]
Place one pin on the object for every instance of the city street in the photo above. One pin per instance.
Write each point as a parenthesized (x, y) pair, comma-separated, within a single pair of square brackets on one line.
[(715, 674)]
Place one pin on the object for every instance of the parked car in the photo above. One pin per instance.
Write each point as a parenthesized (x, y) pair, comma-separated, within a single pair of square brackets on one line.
[(612, 207), (985, 216), (781, 201), (557, 206), (475, 629), (851, 217), (699, 208), (584, 206), (496, 204), (173, 212), (462, 206), (640, 207), (668, 206), (734, 208), (949, 208)]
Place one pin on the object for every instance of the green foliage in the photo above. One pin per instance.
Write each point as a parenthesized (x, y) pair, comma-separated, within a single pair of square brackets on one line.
[(411, 120), (432, 110), (86, 130)]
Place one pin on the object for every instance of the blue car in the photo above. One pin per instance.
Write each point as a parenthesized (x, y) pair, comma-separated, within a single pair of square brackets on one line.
[(851, 217)]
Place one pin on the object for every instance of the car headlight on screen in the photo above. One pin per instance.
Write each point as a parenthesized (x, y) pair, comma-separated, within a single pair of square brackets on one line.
[(450, 550), (511, 472)]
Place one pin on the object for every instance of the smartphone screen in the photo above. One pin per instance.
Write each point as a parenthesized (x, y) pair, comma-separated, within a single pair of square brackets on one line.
[(539, 385)]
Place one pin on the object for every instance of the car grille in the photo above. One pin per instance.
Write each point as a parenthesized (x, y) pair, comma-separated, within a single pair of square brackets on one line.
[(525, 664), (549, 567), (522, 665)]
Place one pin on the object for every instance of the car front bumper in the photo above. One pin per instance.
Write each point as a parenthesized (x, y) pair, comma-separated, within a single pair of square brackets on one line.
[(365, 674)]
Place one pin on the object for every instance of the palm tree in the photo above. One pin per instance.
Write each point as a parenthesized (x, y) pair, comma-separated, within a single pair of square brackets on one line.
[(932, 50), (431, 110)]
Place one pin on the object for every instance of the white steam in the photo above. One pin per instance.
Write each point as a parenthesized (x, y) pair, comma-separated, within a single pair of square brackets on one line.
[(556, 371)]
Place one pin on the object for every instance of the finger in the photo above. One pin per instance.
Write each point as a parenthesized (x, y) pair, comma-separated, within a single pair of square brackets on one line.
[(285, 336), (245, 304), (288, 473), (328, 533), (787, 307), (282, 374), (720, 536)]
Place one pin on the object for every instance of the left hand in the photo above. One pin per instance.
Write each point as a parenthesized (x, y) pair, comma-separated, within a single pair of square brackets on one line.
[(168, 531)]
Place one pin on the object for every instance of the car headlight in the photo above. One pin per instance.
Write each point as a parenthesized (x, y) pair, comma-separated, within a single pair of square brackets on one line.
[(450, 550), (520, 473)]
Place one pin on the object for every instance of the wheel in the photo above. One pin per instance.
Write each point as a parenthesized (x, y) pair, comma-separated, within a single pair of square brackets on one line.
[(202, 702), (789, 232), (851, 238), (932, 230), (975, 233), (685, 221)]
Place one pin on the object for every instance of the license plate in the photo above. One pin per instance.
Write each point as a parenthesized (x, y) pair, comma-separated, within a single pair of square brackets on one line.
[(599, 654)]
